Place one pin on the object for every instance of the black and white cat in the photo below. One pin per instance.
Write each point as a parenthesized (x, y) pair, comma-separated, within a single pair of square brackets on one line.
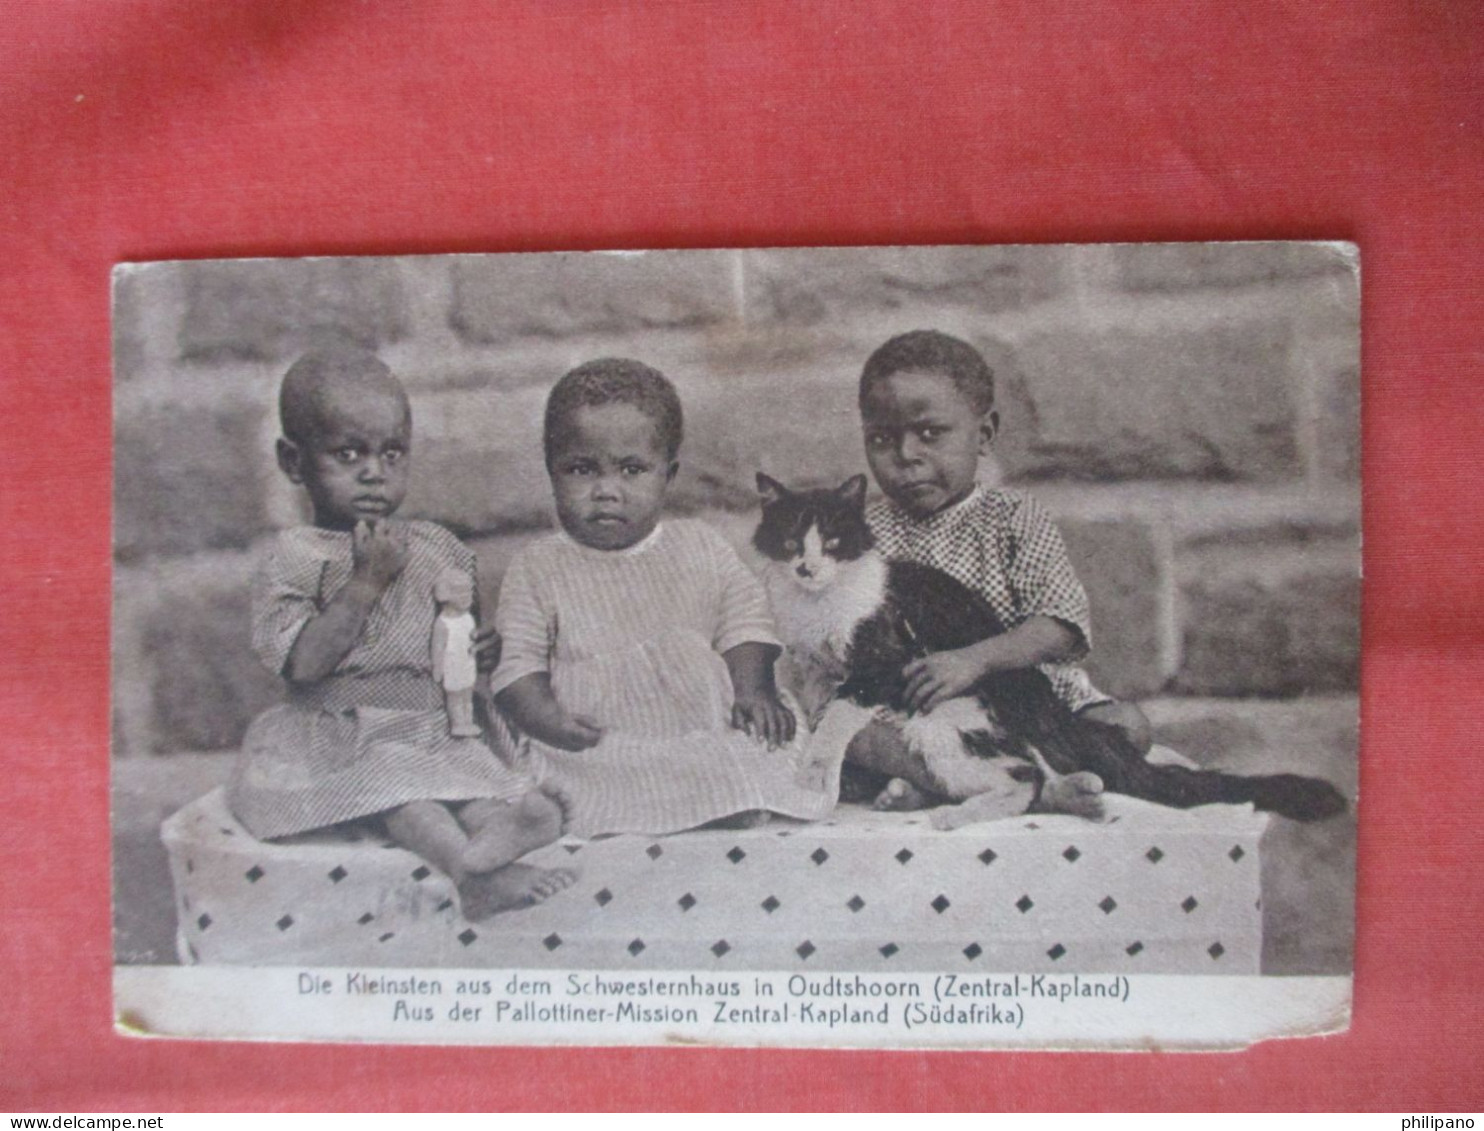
[(852, 621)]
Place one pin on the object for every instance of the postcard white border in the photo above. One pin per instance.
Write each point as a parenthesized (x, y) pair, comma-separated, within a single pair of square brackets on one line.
[(553, 1007)]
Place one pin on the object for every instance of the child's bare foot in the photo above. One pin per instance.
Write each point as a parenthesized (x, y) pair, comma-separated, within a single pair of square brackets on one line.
[(501, 832), (900, 796), (509, 888), (1080, 794), (1009, 801)]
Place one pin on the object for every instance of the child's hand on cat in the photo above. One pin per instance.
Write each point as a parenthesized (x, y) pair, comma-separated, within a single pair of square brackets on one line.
[(378, 552), (762, 715), (487, 646), (940, 676)]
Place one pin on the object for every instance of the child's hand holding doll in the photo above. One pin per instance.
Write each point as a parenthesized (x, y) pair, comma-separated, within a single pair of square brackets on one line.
[(487, 648)]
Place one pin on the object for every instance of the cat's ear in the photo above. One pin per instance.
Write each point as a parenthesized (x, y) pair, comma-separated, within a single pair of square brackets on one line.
[(770, 489), (853, 491)]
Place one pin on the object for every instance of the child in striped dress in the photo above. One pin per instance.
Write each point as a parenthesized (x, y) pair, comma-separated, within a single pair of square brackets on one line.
[(344, 610), (638, 655)]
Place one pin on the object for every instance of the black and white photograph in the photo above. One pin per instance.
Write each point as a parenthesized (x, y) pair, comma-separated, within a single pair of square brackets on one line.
[(951, 646)]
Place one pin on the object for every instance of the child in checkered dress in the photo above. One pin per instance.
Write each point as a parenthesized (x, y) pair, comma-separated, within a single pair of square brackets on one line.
[(344, 610), (927, 409)]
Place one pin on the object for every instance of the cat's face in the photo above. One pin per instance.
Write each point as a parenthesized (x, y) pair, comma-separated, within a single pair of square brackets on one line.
[(809, 535)]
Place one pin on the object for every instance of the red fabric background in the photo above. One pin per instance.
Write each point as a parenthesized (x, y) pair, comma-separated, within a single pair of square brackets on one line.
[(147, 129)]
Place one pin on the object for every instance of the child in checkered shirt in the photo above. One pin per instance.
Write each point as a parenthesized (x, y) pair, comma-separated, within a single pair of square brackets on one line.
[(927, 409)]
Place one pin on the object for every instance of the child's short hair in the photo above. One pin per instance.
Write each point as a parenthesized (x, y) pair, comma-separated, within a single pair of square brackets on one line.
[(615, 380), (301, 396), (932, 351)]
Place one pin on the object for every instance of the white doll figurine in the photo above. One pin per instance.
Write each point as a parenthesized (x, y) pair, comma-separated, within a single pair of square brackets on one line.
[(453, 650)]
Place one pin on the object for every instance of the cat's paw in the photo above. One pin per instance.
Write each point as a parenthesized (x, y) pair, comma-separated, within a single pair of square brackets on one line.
[(1080, 794)]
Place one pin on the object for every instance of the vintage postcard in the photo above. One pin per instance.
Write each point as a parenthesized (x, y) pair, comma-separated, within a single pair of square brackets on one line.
[(900, 647)]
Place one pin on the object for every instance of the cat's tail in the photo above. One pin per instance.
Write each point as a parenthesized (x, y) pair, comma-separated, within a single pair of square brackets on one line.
[(1293, 796), (1297, 797), (1070, 744)]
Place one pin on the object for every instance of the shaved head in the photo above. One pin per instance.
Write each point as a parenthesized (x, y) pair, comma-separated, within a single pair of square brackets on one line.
[(320, 378)]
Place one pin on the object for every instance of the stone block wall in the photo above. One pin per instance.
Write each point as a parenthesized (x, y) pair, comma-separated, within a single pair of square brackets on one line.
[(1189, 412)]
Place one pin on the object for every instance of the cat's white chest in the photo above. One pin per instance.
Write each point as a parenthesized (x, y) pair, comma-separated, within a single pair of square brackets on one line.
[(824, 620)]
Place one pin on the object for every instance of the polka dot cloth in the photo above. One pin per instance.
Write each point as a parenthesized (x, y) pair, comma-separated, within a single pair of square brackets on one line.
[(1152, 890)]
